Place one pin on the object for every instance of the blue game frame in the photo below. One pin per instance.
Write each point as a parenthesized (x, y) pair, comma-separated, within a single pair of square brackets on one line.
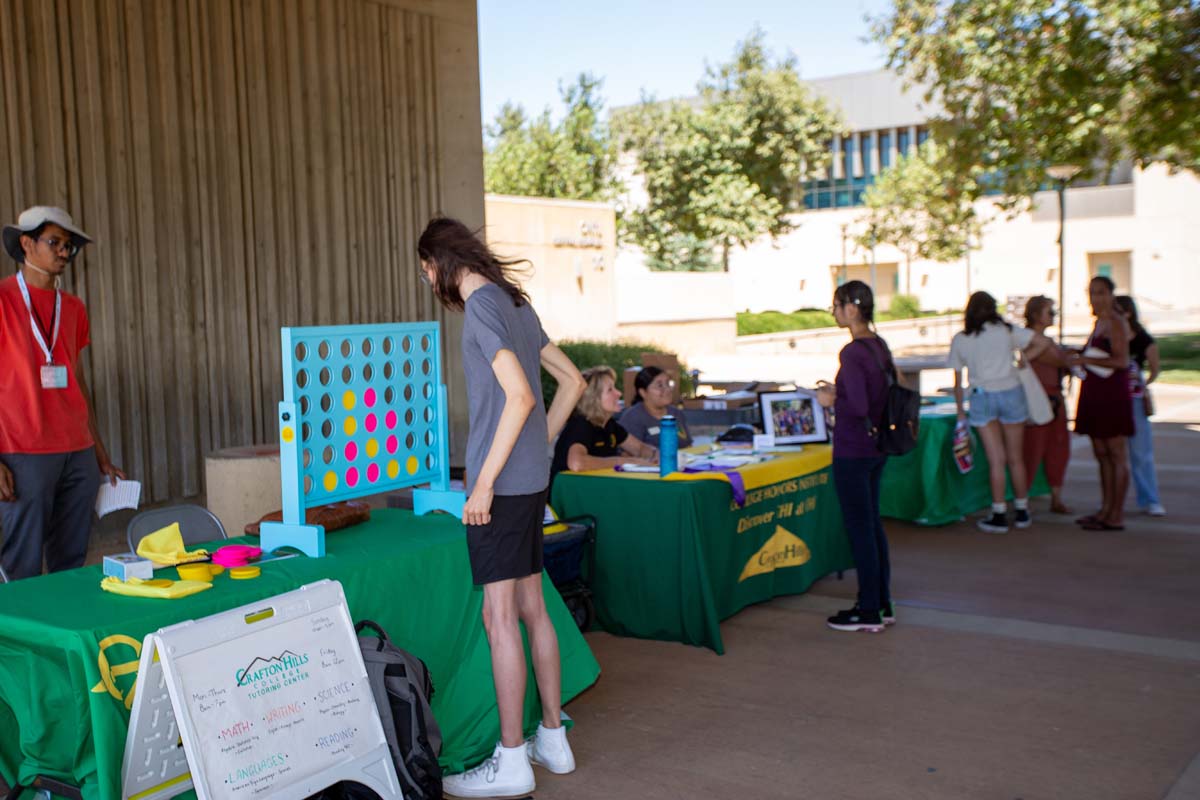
[(364, 411)]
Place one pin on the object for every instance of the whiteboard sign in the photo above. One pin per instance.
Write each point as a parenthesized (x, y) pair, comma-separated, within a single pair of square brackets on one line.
[(272, 699)]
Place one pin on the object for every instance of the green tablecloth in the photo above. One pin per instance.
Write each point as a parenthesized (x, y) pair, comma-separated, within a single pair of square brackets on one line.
[(673, 559), (925, 486), (68, 651)]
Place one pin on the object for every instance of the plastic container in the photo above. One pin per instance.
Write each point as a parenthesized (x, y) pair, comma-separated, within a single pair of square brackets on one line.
[(668, 446), (964, 458)]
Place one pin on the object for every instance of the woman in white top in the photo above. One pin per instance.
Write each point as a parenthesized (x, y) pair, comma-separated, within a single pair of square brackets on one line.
[(997, 408)]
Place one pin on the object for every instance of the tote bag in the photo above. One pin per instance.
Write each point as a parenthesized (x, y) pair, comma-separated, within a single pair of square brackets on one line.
[(1036, 400)]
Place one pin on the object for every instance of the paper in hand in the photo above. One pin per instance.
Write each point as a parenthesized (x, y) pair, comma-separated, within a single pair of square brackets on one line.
[(125, 494)]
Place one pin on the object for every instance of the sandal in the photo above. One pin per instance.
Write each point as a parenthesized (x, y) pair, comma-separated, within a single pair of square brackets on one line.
[(1101, 525), (1090, 519)]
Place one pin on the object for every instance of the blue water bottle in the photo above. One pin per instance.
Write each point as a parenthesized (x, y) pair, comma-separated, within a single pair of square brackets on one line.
[(668, 446)]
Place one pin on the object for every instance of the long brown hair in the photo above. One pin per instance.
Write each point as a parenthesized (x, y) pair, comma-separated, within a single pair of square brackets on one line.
[(588, 406), (981, 309), (450, 247)]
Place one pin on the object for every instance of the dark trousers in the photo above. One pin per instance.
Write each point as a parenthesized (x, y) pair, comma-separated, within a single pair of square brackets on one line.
[(857, 483), (56, 499)]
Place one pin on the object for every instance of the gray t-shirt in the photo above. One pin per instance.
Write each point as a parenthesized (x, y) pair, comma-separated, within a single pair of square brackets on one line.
[(644, 427), (493, 324)]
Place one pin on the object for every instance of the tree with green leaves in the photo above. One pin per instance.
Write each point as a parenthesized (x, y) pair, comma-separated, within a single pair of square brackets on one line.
[(574, 159), (911, 207), (726, 168), (1026, 84)]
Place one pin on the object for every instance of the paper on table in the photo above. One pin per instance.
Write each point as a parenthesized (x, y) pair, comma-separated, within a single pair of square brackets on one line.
[(124, 495), (639, 468), (1096, 352)]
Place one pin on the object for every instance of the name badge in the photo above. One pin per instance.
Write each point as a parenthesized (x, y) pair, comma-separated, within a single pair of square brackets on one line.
[(652, 431), (54, 376)]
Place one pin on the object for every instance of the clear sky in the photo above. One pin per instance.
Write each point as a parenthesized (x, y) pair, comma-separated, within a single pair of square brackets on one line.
[(528, 46)]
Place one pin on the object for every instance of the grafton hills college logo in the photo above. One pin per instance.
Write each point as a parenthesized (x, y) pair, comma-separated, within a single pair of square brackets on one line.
[(783, 549), (285, 668), (115, 678)]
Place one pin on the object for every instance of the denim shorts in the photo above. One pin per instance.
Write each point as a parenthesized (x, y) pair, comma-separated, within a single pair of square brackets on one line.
[(1007, 405)]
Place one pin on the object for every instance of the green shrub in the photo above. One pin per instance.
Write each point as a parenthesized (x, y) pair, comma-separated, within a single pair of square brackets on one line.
[(618, 355), (905, 306), (777, 321)]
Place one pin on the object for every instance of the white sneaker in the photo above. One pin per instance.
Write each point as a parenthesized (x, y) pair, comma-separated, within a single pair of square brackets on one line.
[(549, 748), (1156, 510), (506, 774)]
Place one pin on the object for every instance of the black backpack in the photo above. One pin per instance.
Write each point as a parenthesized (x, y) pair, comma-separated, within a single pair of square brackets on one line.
[(896, 433)]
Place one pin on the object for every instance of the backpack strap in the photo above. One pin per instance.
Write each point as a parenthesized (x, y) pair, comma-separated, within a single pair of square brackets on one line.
[(890, 374)]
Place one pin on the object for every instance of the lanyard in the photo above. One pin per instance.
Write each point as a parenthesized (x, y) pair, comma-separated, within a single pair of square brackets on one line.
[(33, 322)]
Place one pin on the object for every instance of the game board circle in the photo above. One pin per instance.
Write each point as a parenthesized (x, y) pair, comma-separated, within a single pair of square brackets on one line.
[(302, 378), (301, 351), (308, 484), (305, 432), (408, 392), (326, 376), (389, 395), (409, 417), (348, 400), (351, 451), (412, 465), (287, 433), (326, 402), (369, 398), (390, 420), (406, 344), (429, 438), (347, 374), (372, 448), (327, 454), (388, 345), (429, 461), (367, 347), (370, 423), (330, 481), (347, 348), (410, 440), (327, 428), (307, 458), (393, 468), (392, 443), (426, 366), (304, 404), (407, 369), (427, 390), (323, 350), (372, 472), (368, 372), (350, 426), (426, 342), (352, 477), (389, 370), (428, 414)]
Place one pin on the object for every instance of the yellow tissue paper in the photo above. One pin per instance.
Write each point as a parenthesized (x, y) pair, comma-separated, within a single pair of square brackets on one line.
[(165, 548), (135, 587)]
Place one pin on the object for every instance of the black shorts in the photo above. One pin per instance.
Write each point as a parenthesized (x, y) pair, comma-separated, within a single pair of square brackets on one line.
[(510, 546)]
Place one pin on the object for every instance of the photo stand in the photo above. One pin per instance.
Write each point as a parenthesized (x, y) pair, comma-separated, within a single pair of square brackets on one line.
[(364, 411), (267, 700), (793, 417)]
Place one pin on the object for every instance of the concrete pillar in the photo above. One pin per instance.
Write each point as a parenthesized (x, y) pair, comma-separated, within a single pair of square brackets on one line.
[(893, 146), (873, 167), (912, 140), (838, 172)]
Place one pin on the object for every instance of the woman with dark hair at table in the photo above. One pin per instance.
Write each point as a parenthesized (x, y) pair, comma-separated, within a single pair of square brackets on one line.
[(1105, 410), (997, 406), (1143, 371), (592, 438), (653, 390), (1048, 444), (504, 348), (858, 396)]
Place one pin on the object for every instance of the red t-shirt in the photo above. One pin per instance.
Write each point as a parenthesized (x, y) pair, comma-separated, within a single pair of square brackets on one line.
[(33, 419)]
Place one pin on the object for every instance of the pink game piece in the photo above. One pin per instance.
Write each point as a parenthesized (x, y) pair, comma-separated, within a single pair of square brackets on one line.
[(351, 451), (352, 476), (390, 420), (369, 398), (392, 444), (370, 423), (373, 473), (236, 555)]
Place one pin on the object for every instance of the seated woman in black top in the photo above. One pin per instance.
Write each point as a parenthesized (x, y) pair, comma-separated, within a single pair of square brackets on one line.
[(592, 439)]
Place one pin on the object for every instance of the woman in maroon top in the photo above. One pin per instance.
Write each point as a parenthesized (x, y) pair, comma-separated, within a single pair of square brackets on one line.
[(858, 397), (1048, 444), (1105, 411)]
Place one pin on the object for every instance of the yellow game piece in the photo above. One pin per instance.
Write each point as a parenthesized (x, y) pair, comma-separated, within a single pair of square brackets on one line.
[(244, 573)]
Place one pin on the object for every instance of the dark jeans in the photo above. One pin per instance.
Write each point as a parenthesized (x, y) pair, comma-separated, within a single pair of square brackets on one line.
[(56, 498), (857, 483)]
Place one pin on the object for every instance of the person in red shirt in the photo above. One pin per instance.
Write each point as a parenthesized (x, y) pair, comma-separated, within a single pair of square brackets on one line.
[(51, 456)]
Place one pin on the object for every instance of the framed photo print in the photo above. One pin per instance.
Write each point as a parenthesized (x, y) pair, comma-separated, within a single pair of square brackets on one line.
[(793, 417)]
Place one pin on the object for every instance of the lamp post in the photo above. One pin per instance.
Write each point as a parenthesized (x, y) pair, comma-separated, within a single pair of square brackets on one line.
[(1062, 173)]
